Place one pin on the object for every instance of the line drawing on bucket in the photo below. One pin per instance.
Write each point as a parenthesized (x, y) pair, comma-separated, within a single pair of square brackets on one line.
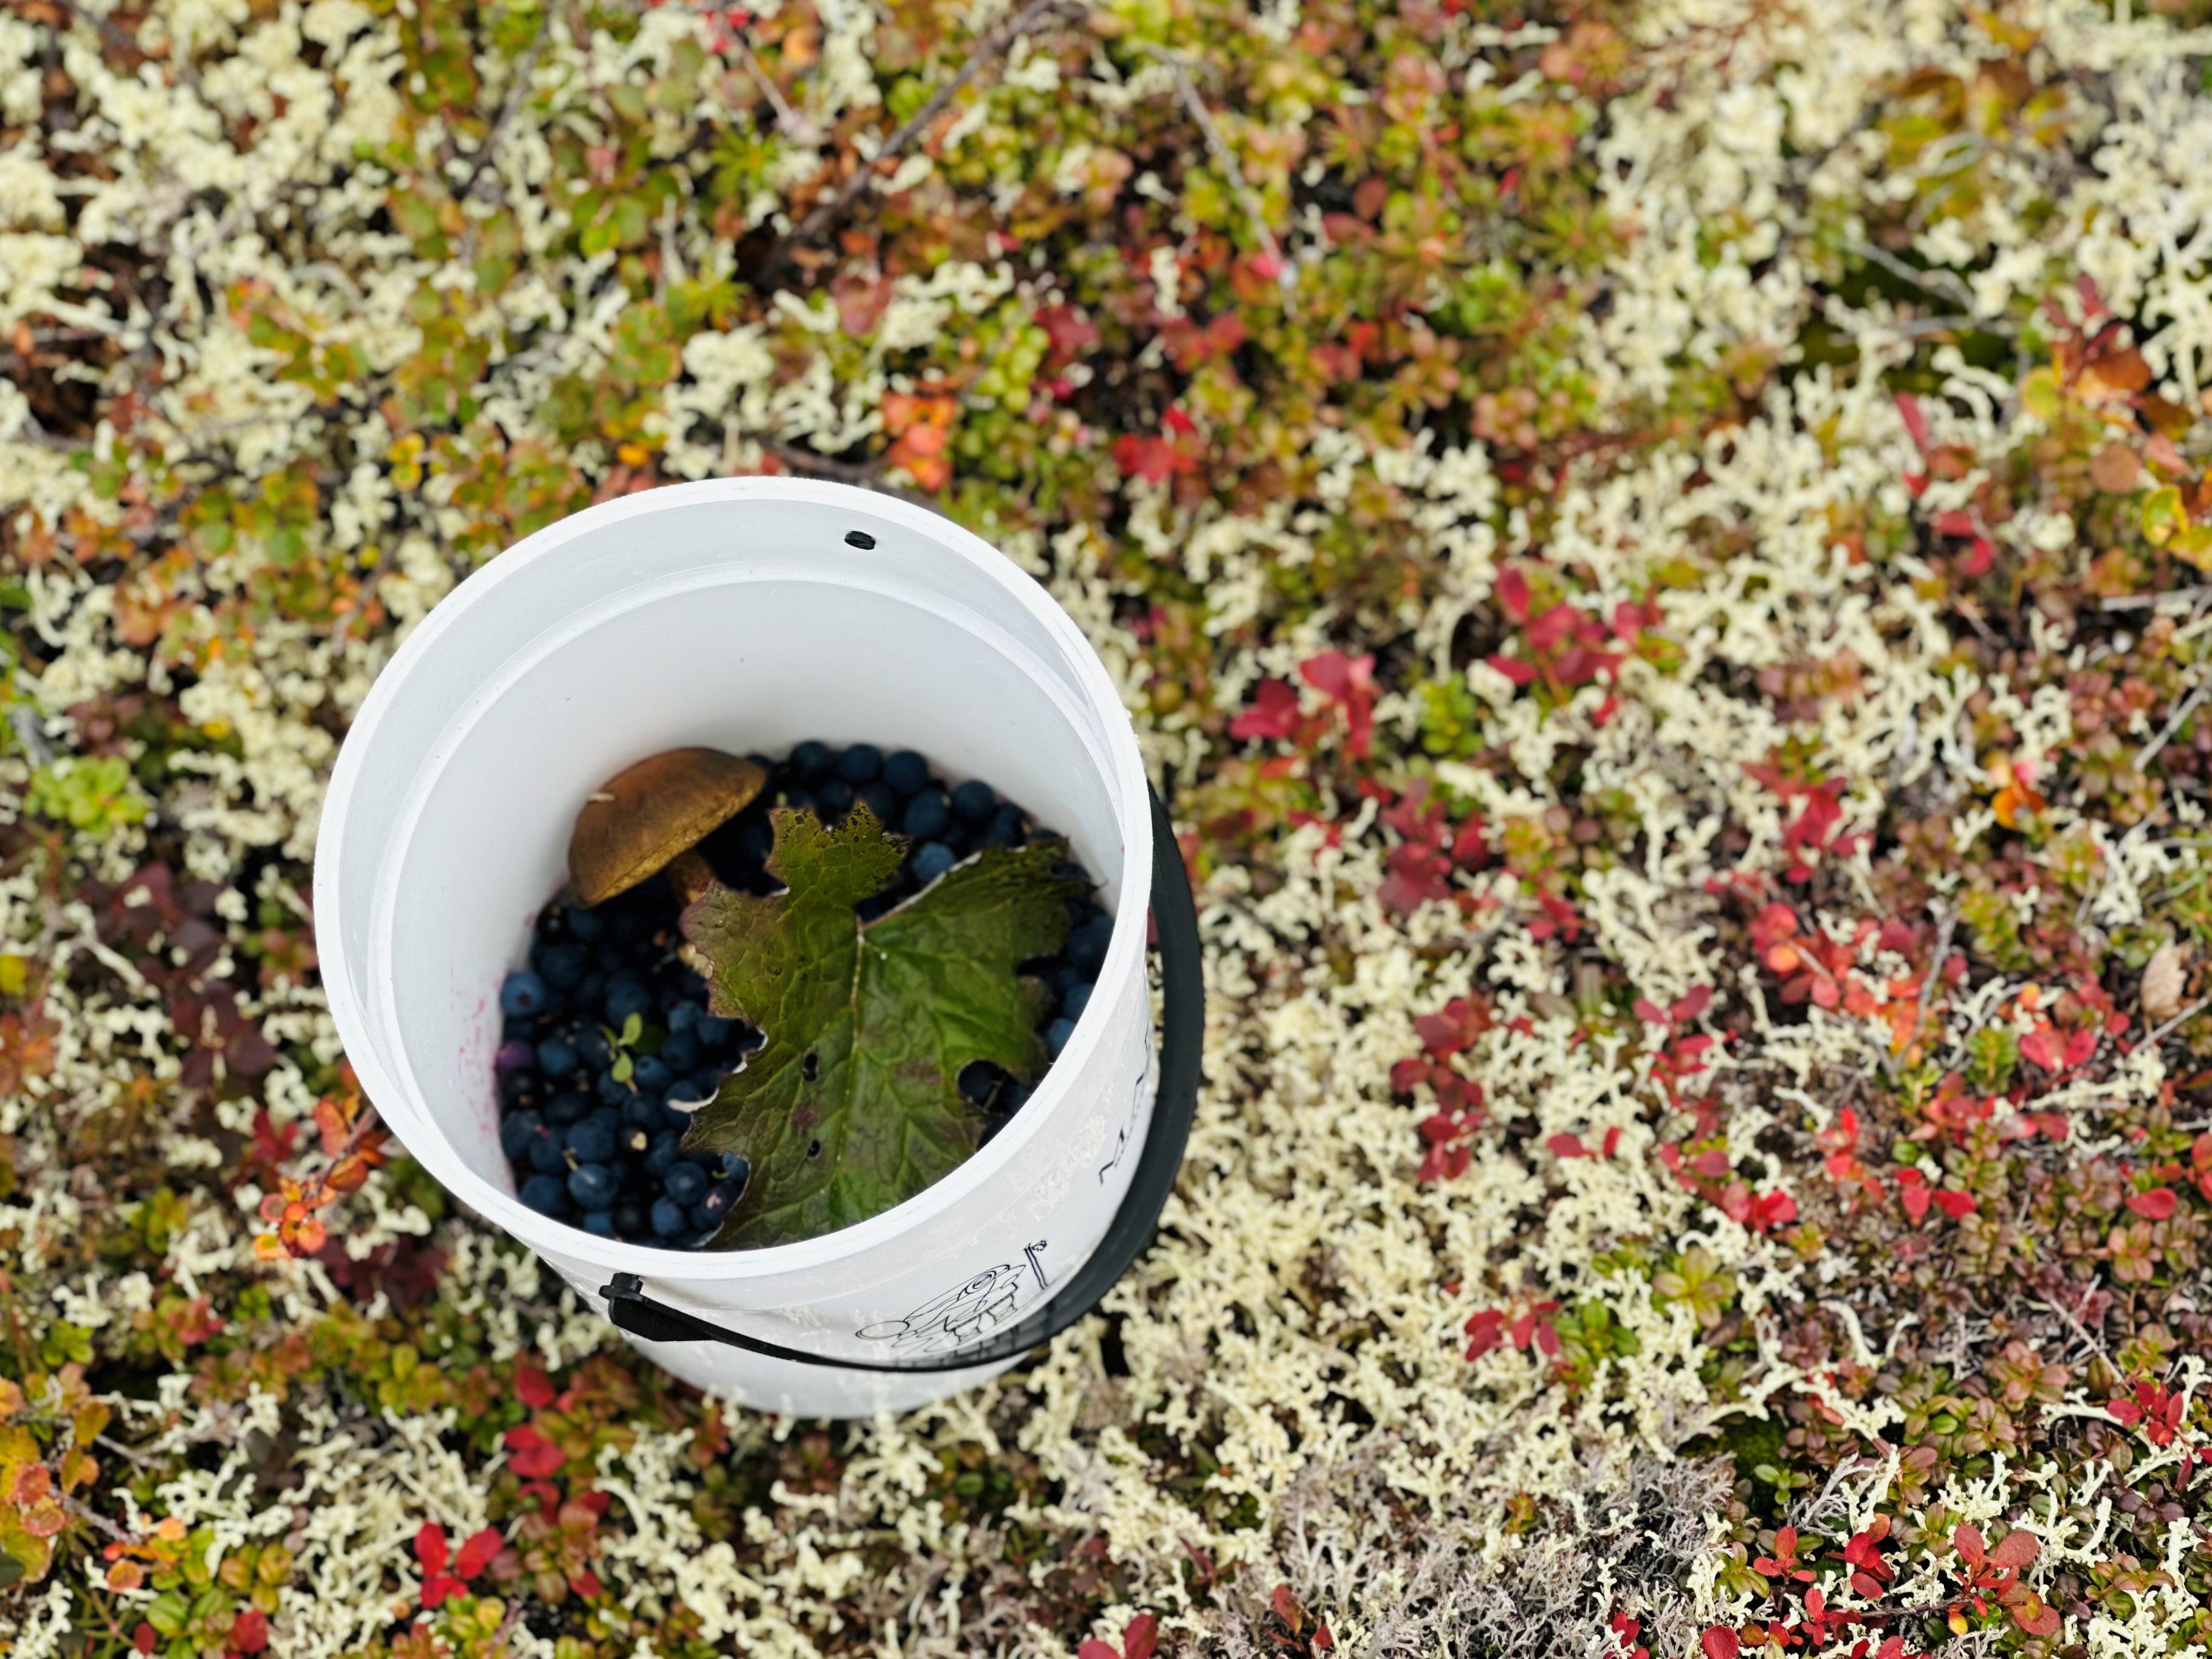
[(746, 614)]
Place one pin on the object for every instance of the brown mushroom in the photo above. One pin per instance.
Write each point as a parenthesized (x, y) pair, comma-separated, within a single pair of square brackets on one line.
[(640, 819)]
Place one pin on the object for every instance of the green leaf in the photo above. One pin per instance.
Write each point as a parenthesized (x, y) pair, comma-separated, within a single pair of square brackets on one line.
[(853, 1104)]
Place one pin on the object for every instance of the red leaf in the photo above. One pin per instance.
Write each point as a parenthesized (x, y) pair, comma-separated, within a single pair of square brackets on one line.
[(1140, 1636), (1565, 1146), (1092, 1648), (145, 1637), (430, 1547), (2043, 1046), (1908, 407), (1512, 589), (532, 1387), (1274, 713), (1913, 1194), (1954, 523), (1955, 1204), (2015, 1549), (1180, 422), (1153, 459), (2156, 1205), (249, 1631), (478, 1552), (1719, 1642), (1967, 1541)]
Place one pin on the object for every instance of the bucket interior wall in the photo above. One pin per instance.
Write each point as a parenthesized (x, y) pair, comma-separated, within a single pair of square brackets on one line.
[(743, 655)]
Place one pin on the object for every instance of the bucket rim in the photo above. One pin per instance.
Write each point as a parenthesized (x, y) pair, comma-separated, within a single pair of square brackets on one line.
[(391, 1086)]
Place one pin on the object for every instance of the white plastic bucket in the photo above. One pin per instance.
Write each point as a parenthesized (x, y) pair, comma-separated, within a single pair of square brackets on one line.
[(746, 614)]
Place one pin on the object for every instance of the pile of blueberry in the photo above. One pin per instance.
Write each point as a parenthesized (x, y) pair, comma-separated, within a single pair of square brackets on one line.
[(594, 1124)]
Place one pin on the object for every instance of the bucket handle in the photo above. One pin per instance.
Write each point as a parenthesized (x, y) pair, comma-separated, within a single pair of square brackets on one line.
[(1174, 916)]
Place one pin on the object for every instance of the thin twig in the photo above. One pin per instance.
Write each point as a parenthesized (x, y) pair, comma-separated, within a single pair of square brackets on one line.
[(2191, 1011), (989, 48), (2072, 1319), (2188, 708), (1225, 159), (119, 37), (1930, 281), (798, 127), (806, 460), (517, 94), (26, 725), (2179, 597), (84, 1511)]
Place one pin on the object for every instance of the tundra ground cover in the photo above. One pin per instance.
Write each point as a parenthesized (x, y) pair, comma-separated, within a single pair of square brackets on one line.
[(1658, 552)]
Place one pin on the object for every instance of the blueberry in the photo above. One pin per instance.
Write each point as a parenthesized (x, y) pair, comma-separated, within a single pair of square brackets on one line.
[(978, 1082), (557, 1056), (523, 995), (566, 1108), (651, 1074), (706, 1215), (545, 1193), (631, 1220), (1076, 1000), (736, 1167), (593, 1186), (591, 1048), (613, 1092), (860, 763), (626, 997), (601, 1222), (642, 1110), (802, 800), (546, 1154), (669, 1218), (519, 1088), (515, 1130), (1086, 945), (682, 1052), (975, 801), (715, 1032), (756, 839), (684, 1016), (686, 1183), (518, 1031), (905, 771), (932, 859), (809, 760), (592, 1141), (514, 1056), (1056, 1036), (660, 1158), (561, 965), (1009, 826), (928, 814), (879, 799), (833, 800), (585, 926)]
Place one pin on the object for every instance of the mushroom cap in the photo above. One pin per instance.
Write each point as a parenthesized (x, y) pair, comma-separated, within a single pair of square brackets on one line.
[(643, 817)]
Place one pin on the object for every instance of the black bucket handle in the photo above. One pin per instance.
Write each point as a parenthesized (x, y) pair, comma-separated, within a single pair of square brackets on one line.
[(1182, 1026)]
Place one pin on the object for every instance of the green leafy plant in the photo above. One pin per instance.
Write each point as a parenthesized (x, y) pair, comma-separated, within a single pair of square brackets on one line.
[(854, 1103)]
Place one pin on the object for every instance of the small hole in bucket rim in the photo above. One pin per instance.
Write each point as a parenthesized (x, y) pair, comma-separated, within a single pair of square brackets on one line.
[(859, 538)]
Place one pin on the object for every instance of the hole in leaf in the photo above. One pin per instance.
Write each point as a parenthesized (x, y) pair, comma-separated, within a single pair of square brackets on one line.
[(811, 1067), (814, 1149)]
